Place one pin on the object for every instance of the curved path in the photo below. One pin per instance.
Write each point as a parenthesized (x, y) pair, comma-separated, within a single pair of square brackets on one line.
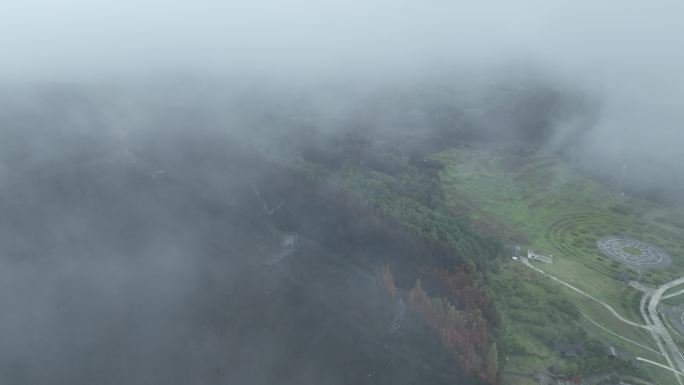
[(676, 293), (659, 364), (620, 336), (662, 337), (659, 328), (582, 292)]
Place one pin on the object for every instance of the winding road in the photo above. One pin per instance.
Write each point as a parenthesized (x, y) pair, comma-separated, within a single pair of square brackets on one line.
[(648, 307), (582, 292), (660, 329)]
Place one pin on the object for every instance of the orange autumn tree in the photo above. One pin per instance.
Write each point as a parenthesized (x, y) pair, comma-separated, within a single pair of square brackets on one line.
[(492, 365), (463, 331), (459, 289), (388, 279)]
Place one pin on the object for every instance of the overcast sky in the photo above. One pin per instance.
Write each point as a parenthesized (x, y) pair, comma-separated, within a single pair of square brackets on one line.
[(49, 37), (627, 52)]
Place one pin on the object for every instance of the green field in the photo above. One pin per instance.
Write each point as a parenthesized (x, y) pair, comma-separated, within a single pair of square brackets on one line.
[(632, 250), (536, 200)]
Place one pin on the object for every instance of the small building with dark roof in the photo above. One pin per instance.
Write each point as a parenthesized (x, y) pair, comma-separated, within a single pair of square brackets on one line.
[(566, 350)]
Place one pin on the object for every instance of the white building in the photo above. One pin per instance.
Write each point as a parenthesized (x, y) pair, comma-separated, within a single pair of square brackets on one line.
[(535, 256)]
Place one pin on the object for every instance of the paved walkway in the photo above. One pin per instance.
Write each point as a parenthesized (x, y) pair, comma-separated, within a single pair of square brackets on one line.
[(621, 336), (641, 287), (659, 328), (662, 337), (676, 293), (580, 291), (659, 364)]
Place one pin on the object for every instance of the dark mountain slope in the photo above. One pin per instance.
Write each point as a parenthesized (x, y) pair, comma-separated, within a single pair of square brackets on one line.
[(160, 265)]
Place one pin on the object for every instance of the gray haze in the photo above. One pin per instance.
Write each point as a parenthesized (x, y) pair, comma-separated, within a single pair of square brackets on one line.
[(136, 242), (628, 54)]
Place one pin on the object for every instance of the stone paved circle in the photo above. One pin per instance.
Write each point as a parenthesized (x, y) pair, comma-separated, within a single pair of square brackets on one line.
[(651, 255)]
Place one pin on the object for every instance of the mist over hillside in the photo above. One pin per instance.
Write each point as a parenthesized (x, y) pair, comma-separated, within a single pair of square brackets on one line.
[(175, 201), (165, 268)]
